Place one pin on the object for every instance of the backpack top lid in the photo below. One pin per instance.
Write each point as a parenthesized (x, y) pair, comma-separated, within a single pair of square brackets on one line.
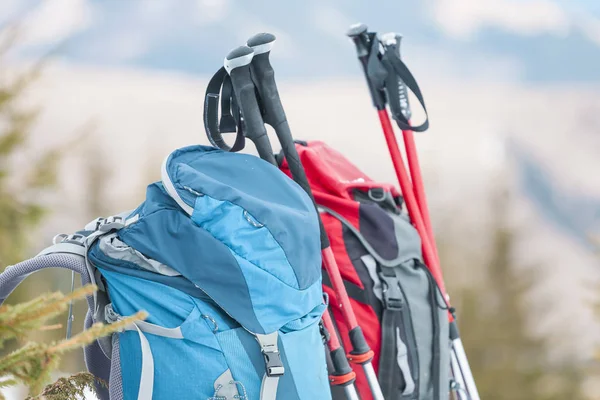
[(237, 228), (328, 171)]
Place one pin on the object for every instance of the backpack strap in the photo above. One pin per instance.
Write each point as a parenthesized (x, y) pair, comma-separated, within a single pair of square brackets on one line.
[(220, 84), (13, 275), (393, 349), (273, 364)]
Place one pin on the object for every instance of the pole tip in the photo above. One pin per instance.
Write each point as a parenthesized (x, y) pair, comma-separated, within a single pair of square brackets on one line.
[(391, 38), (356, 30)]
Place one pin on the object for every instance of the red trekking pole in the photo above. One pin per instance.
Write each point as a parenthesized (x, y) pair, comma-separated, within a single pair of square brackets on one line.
[(342, 375), (388, 72), (274, 115)]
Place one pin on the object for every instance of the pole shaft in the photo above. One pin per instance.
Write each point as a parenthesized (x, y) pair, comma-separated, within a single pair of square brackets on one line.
[(410, 199), (418, 186), (343, 301)]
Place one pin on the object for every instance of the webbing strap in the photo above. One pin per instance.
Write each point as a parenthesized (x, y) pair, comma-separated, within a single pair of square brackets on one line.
[(64, 248), (273, 364), (268, 389), (393, 350), (147, 372), (386, 72), (394, 65), (220, 85)]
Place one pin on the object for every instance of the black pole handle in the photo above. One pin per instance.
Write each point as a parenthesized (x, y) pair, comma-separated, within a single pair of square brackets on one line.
[(364, 48), (237, 65), (274, 114)]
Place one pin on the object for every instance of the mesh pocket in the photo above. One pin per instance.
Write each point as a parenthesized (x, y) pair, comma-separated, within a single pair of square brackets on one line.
[(115, 385)]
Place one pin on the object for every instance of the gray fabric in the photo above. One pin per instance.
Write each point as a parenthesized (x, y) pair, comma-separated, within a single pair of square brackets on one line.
[(402, 361), (146, 327), (405, 235), (115, 387), (268, 389), (64, 248), (387, 366), (416, 288), (173, 333), (114, 248), (226, 387), (371, 265)]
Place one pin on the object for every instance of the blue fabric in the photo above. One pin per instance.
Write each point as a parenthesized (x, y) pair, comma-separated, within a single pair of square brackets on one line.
[(242, 360), (290, 304), (166, 234), (261, 189), (306, 363), (287, 388), (168, 307), (244, 236)]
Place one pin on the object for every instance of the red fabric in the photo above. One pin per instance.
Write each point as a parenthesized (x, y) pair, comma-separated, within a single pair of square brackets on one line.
[(332, 178)]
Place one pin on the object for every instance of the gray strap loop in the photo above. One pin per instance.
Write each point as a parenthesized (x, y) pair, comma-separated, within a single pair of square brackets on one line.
[(171, 333)]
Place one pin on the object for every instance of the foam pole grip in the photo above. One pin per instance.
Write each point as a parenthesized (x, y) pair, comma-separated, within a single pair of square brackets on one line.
[(237, 64)]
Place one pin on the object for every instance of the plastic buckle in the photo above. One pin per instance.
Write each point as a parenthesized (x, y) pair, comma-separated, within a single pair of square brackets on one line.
[(110, 223), (110, 315), (74, 239), (270, 352), (273, 363), (392, 294)]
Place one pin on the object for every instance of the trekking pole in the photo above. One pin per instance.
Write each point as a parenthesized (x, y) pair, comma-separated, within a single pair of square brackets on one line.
[(342, 372), (391, 41), (274, 115), (465, 383), (364, 47), (237, 65), (376, 75)]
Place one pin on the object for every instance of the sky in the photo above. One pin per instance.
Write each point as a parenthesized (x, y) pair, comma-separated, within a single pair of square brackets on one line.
[(524, 40)]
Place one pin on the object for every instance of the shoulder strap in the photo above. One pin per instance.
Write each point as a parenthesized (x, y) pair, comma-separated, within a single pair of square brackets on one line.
[(273, 365), (15, 274)]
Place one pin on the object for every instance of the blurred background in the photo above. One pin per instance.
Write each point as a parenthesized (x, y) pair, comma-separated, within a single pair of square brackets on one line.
[(94, 94)]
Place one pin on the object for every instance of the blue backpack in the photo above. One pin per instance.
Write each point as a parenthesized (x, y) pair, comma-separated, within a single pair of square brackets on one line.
[(224, 255)]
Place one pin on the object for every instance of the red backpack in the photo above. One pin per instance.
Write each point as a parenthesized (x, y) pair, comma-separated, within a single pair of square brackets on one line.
[(371, 238)]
